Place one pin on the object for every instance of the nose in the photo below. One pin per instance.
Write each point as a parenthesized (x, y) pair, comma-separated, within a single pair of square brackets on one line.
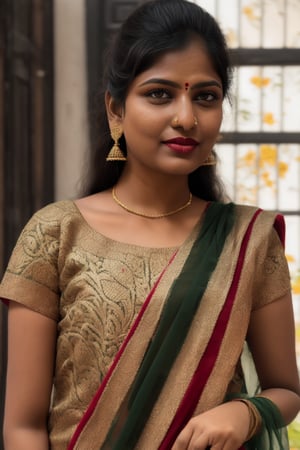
[(185, 117)]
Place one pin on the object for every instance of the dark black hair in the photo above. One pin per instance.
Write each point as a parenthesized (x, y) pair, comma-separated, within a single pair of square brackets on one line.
[(153, 29)]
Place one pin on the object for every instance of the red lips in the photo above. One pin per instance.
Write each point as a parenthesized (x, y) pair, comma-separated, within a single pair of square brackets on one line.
[(181, 141), (181, 144)]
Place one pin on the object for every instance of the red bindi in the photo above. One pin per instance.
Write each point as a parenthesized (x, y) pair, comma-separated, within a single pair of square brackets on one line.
[(186, 86)]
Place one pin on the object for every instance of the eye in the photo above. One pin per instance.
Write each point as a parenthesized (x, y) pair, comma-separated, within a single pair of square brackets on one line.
[(207, 97), (159, 94)]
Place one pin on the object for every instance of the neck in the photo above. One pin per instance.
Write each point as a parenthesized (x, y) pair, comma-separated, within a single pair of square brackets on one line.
[(161, 192), (152, 201)]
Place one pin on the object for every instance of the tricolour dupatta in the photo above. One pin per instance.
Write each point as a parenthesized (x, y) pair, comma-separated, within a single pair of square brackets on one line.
[(174, 324), (106, 409), (159, 354)]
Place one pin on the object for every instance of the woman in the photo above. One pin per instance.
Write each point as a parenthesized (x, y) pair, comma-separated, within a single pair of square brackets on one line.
[(139, 296)]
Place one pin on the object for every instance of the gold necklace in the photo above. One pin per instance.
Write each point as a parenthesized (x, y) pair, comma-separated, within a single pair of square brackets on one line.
[(150, 216)]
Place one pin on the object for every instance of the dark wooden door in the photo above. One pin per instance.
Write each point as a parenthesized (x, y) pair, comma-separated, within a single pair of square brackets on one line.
[(26, 126)]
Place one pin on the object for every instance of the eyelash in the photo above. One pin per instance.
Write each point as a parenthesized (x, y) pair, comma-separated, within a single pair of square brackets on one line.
[(163, 95)]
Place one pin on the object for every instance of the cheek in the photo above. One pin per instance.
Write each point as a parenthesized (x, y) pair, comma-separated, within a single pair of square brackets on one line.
[(138, 133), (212, 123), (147, 124)]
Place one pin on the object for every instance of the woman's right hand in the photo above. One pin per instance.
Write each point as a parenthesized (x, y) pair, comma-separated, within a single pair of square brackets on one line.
[(224, 427)]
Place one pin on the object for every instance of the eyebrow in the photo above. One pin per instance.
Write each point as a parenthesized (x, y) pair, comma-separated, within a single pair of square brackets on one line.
[(173, 84)]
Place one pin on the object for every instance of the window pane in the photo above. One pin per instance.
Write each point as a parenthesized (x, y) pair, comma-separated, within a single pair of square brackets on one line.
[(291, 85), (273, 15), (267, 175), (293, 24), (250, 23), (264, 99)]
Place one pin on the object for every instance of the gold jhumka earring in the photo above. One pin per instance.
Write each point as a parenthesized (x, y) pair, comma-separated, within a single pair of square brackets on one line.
[(210, 161), (115, 153)]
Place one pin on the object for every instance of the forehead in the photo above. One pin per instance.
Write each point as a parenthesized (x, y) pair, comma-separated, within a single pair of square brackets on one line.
[(185, 65)]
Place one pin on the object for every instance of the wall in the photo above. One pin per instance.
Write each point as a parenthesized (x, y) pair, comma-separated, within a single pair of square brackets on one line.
[(71, 136)]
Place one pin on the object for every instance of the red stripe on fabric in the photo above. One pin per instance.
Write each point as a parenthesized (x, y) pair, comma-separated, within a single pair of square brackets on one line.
[(88, 413), (279, 225), (206, 364)]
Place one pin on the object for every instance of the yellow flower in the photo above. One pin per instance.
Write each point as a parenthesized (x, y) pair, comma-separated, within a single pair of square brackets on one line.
[(296, 285), (269, 118), (290, 258), (231, 37), (249, 12), (268, 155), (282, 169), (249, 158), (260, 82), (267, 180)]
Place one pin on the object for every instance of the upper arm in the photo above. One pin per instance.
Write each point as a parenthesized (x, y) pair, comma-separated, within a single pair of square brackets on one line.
[(31, 355), (271, 338)]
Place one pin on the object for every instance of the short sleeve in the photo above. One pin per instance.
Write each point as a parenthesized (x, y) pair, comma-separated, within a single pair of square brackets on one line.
[(31, 277), (272, 278)]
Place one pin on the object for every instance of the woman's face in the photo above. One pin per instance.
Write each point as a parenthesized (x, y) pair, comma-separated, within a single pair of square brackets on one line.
[(181, 84)]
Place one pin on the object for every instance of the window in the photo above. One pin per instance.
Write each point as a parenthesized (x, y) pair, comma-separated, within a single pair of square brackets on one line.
[(260, 149)]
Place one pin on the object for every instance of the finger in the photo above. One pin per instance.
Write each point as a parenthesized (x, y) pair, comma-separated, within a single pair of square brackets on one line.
[(231, 444), (200, 442), (228, 444), (204, 442), (183, 439)]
